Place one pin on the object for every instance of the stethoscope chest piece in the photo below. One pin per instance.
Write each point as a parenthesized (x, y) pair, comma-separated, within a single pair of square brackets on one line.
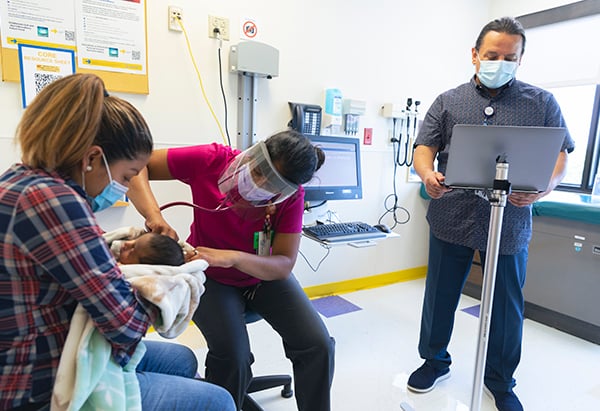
[(488, 111)]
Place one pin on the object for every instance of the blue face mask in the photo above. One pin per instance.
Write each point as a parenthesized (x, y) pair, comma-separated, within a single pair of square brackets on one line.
[(495, 73), (110, 195), (113, 192)]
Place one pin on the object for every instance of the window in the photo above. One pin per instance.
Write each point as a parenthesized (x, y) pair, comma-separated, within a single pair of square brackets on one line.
[(560, 56), (579, 107)]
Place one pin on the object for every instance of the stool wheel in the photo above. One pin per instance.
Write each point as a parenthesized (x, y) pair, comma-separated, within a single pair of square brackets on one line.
[(287, 391)]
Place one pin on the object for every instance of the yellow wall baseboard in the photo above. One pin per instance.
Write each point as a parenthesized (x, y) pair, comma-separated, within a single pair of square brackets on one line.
[(364, 283)]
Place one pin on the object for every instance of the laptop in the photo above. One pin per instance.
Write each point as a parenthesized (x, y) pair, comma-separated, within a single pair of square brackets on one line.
[(531, 153)]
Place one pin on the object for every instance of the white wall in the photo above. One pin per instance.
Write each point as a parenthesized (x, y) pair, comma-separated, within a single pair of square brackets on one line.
[(519, 7), (380, 51)]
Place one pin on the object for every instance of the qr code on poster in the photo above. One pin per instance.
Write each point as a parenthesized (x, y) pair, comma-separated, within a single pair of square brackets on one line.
[(69, 35), (42, 80), (135, 55)]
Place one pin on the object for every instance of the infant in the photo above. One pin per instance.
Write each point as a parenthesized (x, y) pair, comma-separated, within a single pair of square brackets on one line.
[(148, 248)]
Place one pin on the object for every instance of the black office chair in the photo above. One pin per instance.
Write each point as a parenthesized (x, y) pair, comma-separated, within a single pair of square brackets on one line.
[(265, 382)]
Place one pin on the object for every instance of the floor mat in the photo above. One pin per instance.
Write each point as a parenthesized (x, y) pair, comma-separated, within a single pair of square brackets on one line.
[(334, 305)]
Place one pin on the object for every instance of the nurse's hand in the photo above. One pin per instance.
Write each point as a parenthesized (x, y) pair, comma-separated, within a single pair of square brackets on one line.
[(216, 257), (157, 224)]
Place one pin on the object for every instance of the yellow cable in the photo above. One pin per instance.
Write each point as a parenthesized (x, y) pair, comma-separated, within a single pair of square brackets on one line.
[(200, 79)]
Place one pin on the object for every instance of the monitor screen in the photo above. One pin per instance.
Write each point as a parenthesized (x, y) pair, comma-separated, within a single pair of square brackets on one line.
[(339, 177)]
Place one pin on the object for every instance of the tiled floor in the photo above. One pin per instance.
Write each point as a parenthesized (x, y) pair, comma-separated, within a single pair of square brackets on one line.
[(377, 332)]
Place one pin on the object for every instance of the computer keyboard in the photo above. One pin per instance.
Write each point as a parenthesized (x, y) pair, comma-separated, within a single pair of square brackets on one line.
[(336, 232)]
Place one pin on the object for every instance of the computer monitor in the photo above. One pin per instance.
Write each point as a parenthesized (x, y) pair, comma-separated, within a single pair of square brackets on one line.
[(339, 177)]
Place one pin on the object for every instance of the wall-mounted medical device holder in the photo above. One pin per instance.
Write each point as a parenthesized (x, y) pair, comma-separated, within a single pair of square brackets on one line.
[(352, 110), (404, 129), (392, 110), (251, 60)]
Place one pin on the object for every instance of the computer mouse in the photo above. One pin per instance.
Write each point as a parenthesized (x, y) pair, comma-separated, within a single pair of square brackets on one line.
[(383, 228)]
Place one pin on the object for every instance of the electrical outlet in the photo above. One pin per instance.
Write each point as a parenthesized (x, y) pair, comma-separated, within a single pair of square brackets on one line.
[(175, 15), (218, 25)]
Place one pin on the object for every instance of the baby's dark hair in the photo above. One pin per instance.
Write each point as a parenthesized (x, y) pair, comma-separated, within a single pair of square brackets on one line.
[(162, 250)]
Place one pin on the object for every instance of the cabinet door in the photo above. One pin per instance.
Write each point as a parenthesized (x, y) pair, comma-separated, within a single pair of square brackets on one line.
[(563, 270)]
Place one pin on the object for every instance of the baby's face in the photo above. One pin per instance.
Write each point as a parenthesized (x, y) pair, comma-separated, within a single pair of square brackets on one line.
[(134, 250)]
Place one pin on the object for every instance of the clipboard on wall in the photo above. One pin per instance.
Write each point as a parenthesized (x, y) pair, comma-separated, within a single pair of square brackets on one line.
[(119, 81)]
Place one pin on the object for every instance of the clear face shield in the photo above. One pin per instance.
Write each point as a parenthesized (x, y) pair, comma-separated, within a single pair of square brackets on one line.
[(251, 180)]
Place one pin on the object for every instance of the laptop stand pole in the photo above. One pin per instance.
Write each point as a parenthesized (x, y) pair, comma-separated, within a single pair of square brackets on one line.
[(497, 200)]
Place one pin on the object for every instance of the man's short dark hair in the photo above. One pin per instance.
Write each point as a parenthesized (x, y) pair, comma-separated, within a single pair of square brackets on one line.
[(508, 25)]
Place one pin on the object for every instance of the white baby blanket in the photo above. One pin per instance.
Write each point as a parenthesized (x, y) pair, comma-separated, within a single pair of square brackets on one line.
[(88, 378)]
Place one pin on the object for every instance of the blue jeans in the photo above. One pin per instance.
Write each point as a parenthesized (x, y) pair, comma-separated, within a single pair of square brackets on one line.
[(166, 375), (285, 306), (447, 271)]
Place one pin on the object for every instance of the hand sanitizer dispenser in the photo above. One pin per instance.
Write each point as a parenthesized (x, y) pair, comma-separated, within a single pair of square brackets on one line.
[(332, 116)]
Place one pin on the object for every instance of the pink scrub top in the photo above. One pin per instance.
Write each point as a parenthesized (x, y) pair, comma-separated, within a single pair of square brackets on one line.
[(200, 167)]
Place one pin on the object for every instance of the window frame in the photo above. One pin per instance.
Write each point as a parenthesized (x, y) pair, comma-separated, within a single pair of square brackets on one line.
[(592, 156)]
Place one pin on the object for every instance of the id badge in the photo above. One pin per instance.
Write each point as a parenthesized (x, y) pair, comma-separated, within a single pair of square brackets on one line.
[(264, 243)]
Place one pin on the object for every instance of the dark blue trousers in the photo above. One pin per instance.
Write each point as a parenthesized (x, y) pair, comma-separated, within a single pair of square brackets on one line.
[(448, 268)]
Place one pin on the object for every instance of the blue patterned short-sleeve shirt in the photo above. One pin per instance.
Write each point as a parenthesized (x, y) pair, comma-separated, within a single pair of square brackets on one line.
[(460, 216)]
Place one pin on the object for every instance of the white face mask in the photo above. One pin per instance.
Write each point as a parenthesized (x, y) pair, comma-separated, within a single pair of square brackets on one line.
[(248, 189)]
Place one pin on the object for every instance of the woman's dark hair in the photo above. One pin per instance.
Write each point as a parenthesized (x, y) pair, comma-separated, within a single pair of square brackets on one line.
[(294, 155), (123, 132), (506, 25), (162, 250)]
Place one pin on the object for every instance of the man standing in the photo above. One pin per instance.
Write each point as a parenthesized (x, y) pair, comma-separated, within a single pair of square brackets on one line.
[(459, 219)]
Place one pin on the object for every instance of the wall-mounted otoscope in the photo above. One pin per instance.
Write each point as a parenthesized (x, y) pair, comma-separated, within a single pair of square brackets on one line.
[(402, 138), (417, 104)]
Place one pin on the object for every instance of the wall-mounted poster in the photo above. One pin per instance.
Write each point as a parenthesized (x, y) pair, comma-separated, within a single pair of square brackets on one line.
[(40, 66), (108, 37)]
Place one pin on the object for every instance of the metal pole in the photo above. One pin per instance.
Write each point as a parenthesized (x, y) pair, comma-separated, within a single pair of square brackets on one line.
[(243, 116), (253, 102), (247, 99), (498, 202)]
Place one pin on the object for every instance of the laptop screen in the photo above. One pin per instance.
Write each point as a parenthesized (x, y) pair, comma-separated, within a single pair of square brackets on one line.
[(531, 153)]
